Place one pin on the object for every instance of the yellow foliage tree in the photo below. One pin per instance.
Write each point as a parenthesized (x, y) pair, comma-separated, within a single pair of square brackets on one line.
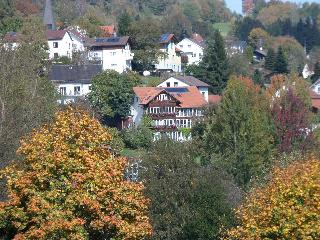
[(286, 208), (259, 38), (72, 187)]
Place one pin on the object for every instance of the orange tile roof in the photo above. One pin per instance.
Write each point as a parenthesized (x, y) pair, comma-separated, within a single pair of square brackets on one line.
[(192, 98), (108, 30), (214, 99)]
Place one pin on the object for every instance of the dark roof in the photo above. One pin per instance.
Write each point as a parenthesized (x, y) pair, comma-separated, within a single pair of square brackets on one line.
[(48, 18), (260, 52), (55, 34), (165, 38), (108, 42), (76, 33), (191, 81), (74, 73)]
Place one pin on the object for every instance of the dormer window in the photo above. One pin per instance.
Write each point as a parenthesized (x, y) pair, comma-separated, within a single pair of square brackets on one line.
[(168, 84)]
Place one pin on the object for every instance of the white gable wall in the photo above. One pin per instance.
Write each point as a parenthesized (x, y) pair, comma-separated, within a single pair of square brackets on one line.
[(172, 82), (172, 61), (64, 47), (316, 87), (192, 50)]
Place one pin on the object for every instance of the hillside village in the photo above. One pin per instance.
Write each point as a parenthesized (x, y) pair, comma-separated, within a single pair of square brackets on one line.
[(159, 120)]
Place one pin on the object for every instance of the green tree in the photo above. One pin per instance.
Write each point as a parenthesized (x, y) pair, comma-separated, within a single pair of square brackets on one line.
[(214, 65), (239, 136), (239, 64), (124, 23), (281, 64), (270, 59), (257, 77), (316, 74), (145, 35), (27, 97), (187, 201), (111, 95)]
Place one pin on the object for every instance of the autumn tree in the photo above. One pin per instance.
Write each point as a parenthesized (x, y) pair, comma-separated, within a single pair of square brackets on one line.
[(259, 38), (111, 95), (285, 208), (239, 137), (72, 186)]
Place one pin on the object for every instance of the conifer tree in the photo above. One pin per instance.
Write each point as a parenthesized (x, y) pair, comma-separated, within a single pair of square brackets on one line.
[(124, 23), (270, 59), (214, 66), (316, 74), (281, 64), (257, 77)]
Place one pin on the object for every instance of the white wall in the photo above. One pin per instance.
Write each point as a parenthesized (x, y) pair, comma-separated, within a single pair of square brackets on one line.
[(114, 59), (136, 111), (192, 50), (172, 61), (316, 88), (172, 81), (64, 47)]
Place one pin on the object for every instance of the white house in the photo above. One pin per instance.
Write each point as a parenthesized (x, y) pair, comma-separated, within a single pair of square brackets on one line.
[(171, 58), (192, 49), (10, 40), (63, 43), (173, 110), (113, 53), (307, 72), (187, 81), (73, 81), (316, 87)]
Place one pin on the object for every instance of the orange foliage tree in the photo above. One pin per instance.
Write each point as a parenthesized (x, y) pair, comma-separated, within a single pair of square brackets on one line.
[(72, 187), (286, 208)]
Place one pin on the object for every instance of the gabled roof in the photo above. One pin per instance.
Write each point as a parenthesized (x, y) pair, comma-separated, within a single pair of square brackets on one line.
[(191, 81), (74, 73), (190, 97), (77, 34), (261, 52), (108, 42), (197, 38), (55, 34), (315, 83), (165, 38)]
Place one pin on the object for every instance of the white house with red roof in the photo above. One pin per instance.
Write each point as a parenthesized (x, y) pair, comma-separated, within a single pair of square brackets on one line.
[(171, 58), (173, 110), (113, 53), (193, 48)]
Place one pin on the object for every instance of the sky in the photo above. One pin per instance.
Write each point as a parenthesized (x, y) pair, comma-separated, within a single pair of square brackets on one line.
[(235, 5)]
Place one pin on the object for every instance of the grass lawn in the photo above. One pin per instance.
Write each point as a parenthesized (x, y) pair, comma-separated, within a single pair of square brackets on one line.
[(223, 27), (132, 153)]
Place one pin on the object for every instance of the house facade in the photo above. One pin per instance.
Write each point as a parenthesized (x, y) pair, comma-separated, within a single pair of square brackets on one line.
[(187, 81), (63, 43), (192, 49), (73, 81), (316, 87), (173, 110), (113, 53), (170, 60)]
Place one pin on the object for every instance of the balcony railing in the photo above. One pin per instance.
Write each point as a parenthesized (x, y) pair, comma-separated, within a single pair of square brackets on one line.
[(165, 128), (162, 115)]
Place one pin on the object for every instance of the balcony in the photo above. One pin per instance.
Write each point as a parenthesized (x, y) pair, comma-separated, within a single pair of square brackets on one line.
[(165, 128), (170, 115)]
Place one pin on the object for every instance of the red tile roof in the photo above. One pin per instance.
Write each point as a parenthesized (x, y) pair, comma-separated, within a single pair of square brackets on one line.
[(214, 99), (11, 37), (315, 99), (55, 34), (108, 30), (197, 38), (192, 98)]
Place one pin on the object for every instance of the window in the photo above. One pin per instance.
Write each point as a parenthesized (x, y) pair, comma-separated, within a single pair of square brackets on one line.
[(168, 84), (175, 84), (194, 55), (63, 90), (90, 88), (55, 55), (203, 93), (189, 46), (318, 89), (69, 45), (113, 53), (181, 46), (77, 90), (114, 65), (55, 44)]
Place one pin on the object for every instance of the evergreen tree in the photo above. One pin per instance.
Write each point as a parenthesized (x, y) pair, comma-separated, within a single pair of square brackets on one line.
[(257, 77), (215, 70), (270, 59), (281, 64), (124, 23), (316, 74), (239, 136)]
